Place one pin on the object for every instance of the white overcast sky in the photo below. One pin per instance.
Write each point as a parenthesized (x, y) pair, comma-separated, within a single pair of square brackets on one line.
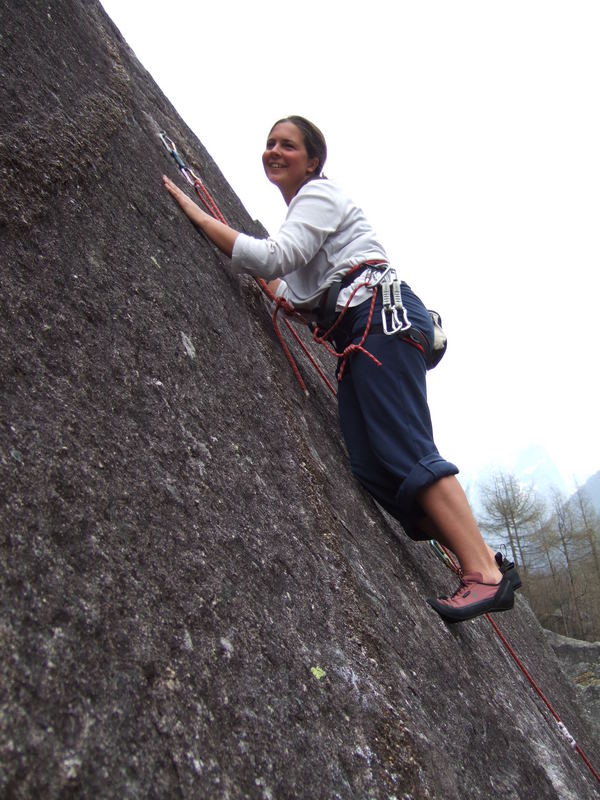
[(469, 132)]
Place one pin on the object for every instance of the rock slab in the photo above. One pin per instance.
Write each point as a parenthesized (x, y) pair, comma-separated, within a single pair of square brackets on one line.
[(197, 601)]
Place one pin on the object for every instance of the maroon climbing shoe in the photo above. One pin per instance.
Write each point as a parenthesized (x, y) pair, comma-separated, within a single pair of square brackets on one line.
[(473, 597), (507, 567)]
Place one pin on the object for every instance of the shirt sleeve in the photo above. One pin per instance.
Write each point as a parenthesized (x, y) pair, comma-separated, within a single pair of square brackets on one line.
[(282, 290), (313, 215)]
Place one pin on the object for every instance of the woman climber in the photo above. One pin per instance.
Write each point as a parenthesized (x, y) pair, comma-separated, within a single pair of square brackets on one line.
[(326, 240)]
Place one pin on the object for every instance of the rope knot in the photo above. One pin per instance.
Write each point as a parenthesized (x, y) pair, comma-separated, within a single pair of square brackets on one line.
[(284, 305), (347, 352)]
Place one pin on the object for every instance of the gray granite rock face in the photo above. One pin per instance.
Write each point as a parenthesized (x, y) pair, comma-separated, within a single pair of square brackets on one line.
[(197, 601), (581, 661)]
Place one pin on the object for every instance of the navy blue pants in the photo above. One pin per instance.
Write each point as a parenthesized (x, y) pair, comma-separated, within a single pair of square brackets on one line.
[(384, 414)]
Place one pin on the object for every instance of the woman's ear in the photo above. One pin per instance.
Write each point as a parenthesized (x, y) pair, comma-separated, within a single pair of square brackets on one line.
[(312, 166)]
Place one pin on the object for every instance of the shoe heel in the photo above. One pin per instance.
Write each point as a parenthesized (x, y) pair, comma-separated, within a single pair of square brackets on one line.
[(509, 569), (505, 599), (514, 577)]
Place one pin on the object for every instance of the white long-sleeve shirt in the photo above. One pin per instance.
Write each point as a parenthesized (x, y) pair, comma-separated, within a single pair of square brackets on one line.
[(323, 235)]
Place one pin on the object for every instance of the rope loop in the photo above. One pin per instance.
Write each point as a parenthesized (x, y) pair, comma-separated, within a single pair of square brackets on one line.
[(322, 338)]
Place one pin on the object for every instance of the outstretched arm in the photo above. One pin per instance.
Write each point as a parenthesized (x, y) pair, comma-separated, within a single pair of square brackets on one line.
[(219, 234)]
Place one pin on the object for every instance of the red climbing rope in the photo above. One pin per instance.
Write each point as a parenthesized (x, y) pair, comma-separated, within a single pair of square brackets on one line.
[(281, 303), (448, 559), (323, 338), (525, 672)]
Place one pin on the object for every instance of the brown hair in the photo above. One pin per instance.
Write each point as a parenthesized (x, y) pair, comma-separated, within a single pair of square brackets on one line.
[(314, 141)]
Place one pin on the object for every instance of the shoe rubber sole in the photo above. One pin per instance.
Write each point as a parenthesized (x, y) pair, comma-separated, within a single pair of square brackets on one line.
[(503, 600)]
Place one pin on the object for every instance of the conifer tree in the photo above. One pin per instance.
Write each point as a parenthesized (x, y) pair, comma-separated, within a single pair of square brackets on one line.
[(510, 510)]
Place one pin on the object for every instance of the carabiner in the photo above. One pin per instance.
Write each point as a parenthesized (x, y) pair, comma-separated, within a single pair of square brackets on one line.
[(168, 143), (379, 278), (390, 310)]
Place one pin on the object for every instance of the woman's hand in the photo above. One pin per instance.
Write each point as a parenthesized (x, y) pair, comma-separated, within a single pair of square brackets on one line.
[(219, 234), (181, 198)]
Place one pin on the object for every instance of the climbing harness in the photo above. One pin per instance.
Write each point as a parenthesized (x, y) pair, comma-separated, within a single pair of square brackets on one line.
[(394, 319), (446, 556), (327, 337), (327, 312)]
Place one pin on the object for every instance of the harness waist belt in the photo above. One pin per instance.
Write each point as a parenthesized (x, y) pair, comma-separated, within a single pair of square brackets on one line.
[(327, 310)]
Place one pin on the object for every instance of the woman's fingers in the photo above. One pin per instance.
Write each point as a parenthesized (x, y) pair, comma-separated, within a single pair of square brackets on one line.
[(187, 205), (175, 191), (169, 185), (172, 187)]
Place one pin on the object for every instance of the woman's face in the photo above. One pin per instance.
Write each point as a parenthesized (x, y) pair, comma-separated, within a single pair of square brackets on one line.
[(286, 161)]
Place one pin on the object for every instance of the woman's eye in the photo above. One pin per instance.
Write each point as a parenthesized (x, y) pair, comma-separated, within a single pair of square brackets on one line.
[(271, 143)]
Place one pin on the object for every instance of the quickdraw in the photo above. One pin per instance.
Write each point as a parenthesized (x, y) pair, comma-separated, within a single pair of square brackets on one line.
[(192, 178), (393, 313)]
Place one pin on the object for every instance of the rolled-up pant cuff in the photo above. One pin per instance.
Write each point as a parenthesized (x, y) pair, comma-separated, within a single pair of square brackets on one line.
[(427, 471)]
